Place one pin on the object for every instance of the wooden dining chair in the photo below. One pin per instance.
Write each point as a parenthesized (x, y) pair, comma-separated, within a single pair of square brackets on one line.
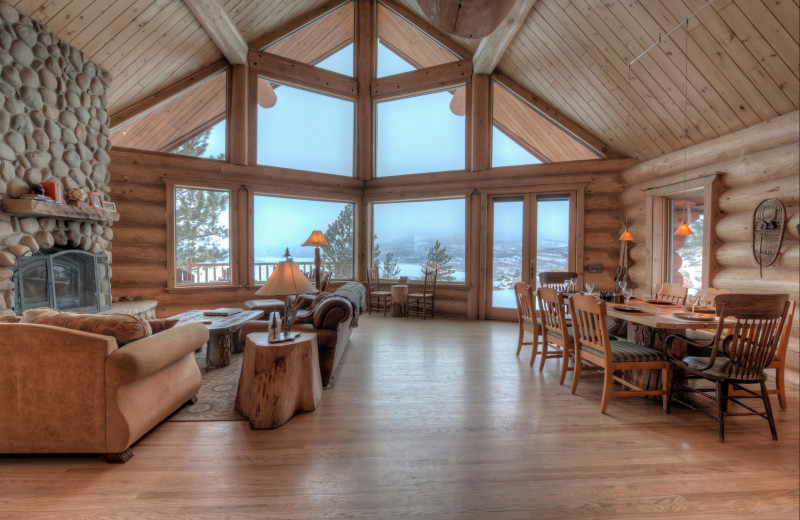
[(556, 279), (706, 296), (593, 346), (778, 363), (377, 299), (324, 281), (421, 304), (673, 292), (556, 330), (526, 312), (739, 353)]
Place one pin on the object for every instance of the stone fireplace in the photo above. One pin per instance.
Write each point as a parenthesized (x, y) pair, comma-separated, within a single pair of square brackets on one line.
[(53, 127)]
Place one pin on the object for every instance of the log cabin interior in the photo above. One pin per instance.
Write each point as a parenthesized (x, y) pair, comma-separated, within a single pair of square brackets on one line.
[(159, 158)]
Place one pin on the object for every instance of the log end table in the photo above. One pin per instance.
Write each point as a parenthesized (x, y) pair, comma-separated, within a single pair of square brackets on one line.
[(400, 301), (278, 380)]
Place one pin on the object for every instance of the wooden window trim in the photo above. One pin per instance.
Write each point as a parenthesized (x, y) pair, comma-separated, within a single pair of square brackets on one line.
[(657, 239), (233, 227)]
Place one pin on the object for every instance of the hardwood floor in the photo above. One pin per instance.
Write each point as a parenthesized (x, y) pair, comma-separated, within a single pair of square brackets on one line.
[(434, 419)]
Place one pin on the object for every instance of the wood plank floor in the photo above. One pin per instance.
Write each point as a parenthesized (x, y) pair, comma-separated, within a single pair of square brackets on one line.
[(434, 419)]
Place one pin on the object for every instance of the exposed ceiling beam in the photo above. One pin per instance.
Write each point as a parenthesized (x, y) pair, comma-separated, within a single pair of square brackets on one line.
[(493, 46), (219, 26)]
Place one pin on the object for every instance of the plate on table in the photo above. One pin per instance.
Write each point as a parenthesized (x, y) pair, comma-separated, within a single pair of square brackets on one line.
[(700, 310), (693, 317), (656, 301), (623, 309)]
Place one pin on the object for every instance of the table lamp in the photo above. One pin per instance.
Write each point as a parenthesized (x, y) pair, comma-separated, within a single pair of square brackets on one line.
[(286, 280), (317, 240)]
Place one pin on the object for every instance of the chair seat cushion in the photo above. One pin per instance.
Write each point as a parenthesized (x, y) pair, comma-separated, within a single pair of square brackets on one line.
[(627, 352), (420, 295), (380, 293), (558, 334), (720, 370)]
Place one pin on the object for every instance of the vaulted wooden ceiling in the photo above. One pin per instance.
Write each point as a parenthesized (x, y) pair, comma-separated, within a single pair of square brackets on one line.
[(742, 68)]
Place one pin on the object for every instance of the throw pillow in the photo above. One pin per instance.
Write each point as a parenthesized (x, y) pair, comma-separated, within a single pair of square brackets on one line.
[(161, 324), (123, 327), (10, 319)]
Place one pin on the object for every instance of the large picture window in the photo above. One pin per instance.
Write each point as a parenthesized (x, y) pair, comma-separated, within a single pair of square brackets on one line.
[(410, 236), (420, 134), (280, 223), (191, 123), (304, 130), (202, 236)]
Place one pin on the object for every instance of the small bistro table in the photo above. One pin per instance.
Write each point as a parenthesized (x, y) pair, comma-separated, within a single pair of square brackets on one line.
[(223, 333), (278, 380), (400, 301)]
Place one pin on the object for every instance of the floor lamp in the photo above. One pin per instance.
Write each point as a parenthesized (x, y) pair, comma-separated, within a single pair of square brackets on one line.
[(317, 240)]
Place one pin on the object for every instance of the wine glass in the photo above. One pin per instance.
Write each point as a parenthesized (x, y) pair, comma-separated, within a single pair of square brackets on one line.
[(573, 282), (627, 293), (589, 287), (693, 299)]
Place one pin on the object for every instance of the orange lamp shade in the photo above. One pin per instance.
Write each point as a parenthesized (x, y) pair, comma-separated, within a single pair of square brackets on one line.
[(626, 236), (683, 230), (317, 239)]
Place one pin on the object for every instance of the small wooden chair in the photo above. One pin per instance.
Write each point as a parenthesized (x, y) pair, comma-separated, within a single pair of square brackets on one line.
[(376, 298), (673, 292), (556, 330), (421, 304), (526, 313), (737, 357), (592, 345), (556, 279)]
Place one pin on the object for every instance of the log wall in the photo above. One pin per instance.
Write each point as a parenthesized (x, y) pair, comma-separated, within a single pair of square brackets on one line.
[(138, 186), (754, 164)]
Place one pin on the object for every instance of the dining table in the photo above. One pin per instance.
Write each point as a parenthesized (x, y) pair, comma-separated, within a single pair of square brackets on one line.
[(649, 324)]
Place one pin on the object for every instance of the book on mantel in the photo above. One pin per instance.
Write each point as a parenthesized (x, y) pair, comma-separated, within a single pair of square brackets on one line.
[(223, 311)]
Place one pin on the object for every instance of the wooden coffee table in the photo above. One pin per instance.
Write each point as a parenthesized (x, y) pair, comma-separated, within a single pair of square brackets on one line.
[(223, 333), (278, 380)]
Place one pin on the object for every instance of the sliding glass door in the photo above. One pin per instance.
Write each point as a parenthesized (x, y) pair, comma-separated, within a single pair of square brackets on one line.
[(528, 233)]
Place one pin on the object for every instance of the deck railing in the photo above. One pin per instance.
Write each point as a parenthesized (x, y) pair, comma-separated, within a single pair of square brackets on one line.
[(220, 273)]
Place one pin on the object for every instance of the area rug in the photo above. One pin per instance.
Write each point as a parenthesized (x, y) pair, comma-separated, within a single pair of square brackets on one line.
[(217, 394)]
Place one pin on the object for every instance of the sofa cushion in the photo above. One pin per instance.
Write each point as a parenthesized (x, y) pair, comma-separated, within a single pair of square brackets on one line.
[(162, 324), (123, 327)]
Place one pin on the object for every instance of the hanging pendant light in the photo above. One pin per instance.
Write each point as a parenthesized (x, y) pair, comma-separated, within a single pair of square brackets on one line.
[(684, 229), (626, 235)]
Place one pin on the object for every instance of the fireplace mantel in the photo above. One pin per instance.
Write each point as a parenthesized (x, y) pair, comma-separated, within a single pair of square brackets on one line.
[(36, 208)]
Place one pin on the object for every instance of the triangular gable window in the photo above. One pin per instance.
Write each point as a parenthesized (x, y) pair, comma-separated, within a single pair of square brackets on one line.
[(405, 41), (191, 123), (525, 127), (326, 43)]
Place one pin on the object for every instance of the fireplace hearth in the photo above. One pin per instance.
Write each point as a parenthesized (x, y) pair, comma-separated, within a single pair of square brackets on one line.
[(68, 280)]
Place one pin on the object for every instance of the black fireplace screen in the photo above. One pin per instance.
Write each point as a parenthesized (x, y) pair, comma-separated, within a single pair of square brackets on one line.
[(71, 280)]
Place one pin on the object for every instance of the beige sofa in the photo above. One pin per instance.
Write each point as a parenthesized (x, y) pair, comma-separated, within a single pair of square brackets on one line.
[(68, 391)]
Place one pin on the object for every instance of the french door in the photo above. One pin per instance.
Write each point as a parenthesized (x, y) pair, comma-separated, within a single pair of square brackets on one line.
[(528, 233)]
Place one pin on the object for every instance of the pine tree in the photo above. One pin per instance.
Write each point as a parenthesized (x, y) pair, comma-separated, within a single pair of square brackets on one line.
[(196, 146), (198, 233), (440, 260), (390, 269), (340, 234)]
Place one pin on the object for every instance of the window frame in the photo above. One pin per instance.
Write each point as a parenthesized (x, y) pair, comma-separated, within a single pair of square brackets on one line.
[(258, 76), (370, 226), (233, 233), (292, 194), (658, 238)]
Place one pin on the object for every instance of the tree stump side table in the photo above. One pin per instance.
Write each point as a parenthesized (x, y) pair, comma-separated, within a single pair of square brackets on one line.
[(278, 380), (400, 301)]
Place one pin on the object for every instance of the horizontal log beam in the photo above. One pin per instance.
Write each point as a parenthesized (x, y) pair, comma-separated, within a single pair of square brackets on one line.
[(738, 227), (748, 197), (423, 80), (740, 254), (778, 131), (182, 85), (555, 115), (301, 74), (140, 236)]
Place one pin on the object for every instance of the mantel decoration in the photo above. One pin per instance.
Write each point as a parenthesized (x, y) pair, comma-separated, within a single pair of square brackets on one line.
[(287, 280), (769, 224)]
